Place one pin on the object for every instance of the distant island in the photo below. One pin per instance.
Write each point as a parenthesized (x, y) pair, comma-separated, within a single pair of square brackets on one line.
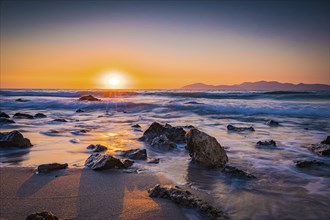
[(261, 85)]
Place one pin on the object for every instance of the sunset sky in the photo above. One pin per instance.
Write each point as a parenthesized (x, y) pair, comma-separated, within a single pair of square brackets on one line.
[(162, 45)]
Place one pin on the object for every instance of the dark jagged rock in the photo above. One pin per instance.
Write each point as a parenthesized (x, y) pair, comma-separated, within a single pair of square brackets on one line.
[(22, 115), (174, 134), (239, 129), (237, 173), (4, 115), (323, 148), (6, 121), (162, 143), (89, 98), (186, 199), (80, 111), (42, 216), (13, 139), (83, 131), (97, 147), (128, 163), (189, 126), (103, 162), (267, 143), (135, 154), (21, 100), (326, 141), (272, 123), (308, 163), (136, 126), (205, 149), (154, 161), (60, 120), (40, 115), (47, 168)]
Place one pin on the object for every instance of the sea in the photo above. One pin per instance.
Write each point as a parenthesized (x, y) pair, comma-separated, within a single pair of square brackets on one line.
[(280, 191)]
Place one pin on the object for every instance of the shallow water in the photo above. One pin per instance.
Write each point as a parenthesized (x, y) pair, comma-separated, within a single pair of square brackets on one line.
[(281, 191)]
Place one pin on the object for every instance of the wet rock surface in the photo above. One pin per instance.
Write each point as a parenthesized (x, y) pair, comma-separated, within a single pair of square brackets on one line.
[(6, 121), (322, 149), (136, 126), (186, 199), (102, 162), (237, 173), (205, 149), (239, 129), (267, 143), (326, 141), (23, 115), (42, 216), (47, 168), (13, 139), (79, 111), (60, 120), (89, 98), (272, 123), (4, 115), (97, 147), (162, 143), (40, 115), (308, 163), (21, 100), (135, 154), (154, 161)]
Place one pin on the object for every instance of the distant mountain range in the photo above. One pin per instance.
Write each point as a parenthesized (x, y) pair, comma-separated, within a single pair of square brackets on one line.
[(261, 85)]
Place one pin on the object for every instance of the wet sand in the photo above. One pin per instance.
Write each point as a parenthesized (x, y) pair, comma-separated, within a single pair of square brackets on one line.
[(82, 194)]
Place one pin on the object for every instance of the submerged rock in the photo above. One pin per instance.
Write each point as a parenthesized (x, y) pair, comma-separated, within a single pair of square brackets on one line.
[(40, 115), (42, 216), (308, 163), (60, 120), (47, 168), (89, 98), (4, 115), (154, 161), (22, 115), (272, 123), (205, 149), (162, 143), (21, 100), (97, 147), (237, 173), (174, 134), (136, 126), (238, 129), (13, 139), (6, 121), (323, 149), (185, 198), (80, 111), (103, 162), (135, 154), (267, 143)]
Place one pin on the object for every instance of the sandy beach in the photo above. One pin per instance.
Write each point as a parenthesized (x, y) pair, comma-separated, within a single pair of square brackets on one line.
[(82, 194)]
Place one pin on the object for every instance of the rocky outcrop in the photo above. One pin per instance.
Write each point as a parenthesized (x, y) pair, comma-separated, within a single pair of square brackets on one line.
[(47, 168), (13, 139), (237, 173), (97, 147), (162, 143), (89, 98), (60, 120), (42, 216), (272, 123), (186, 199), (323, 148), (205, 149), (80, 111), (103, 162), (308, 163), (4, 115), (135, 154), (6, 121), (22, 115), (267, 143), (40, 115), (239, 129)]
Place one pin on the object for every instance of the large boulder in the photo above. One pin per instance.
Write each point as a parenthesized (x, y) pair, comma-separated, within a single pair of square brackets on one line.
[(23, 115), (103, 162), (323, 148), (47, 168), (42, 216), (89, 98), (205, 149), (13, 139), (135, 154), (162, 143)]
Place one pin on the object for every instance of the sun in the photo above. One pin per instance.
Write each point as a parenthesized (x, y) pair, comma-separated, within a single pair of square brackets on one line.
[(114, 81)]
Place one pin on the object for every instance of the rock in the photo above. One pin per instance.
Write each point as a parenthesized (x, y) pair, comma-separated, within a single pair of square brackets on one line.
[(13, 139), (267, 143), (321, 149), (6, 121), (97, 147), (60, 120), (22, 115), (103, 162), (194, 103), (42, 216), (238, 129), (189, 126), (326, 141), (89, 98), (21, 100), (174, 134), (272, 123), (155, 161), (4, 115), (40, 115), (185, 198), (308, 163), (128, 163), (80, 111), (205, 149), (237, 173), (162, 143), (136, 126), (47, 168), (83, 131), (135, 154)]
